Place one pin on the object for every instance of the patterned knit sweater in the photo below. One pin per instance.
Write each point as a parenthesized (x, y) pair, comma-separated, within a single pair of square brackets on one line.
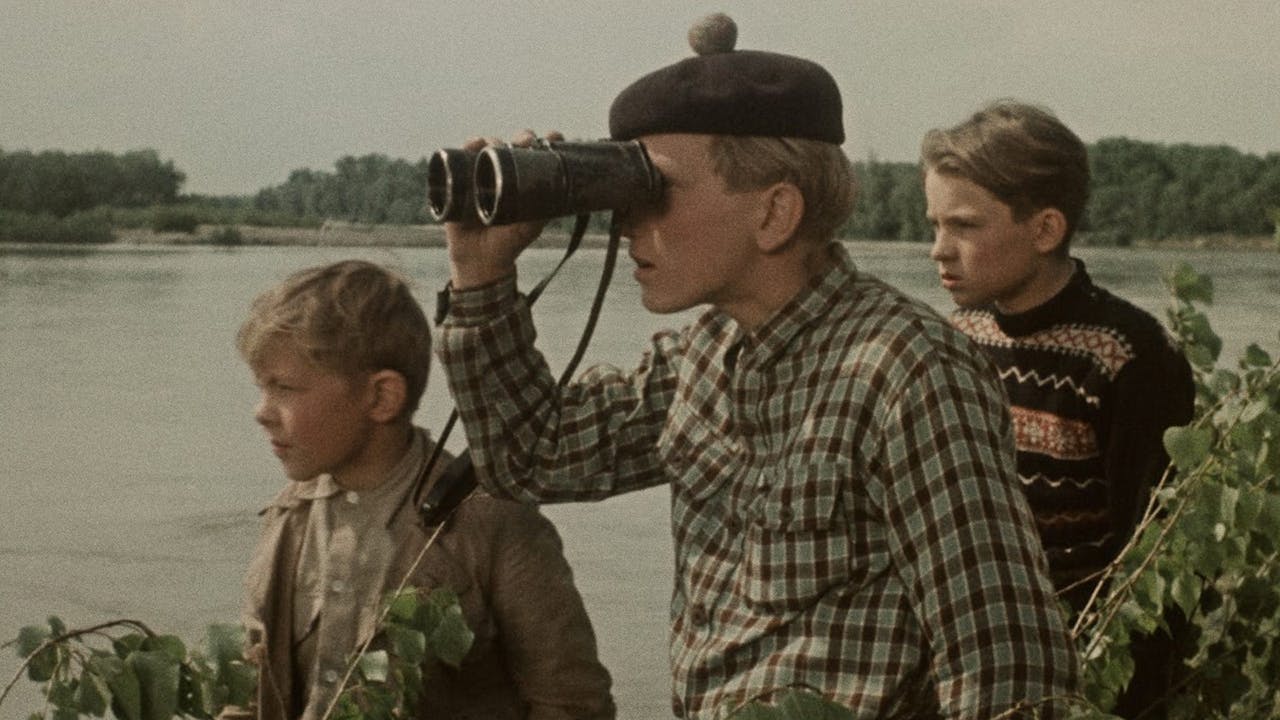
[(1093, 381)]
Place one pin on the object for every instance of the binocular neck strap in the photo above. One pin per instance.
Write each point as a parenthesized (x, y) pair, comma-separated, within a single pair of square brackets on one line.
[(459, 480)]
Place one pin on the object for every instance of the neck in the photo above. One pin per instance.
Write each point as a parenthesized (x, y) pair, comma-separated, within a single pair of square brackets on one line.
[(781, 278), (1043, 288), (386, 448)]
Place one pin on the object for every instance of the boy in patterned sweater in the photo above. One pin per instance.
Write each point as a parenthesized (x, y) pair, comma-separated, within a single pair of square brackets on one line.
[(1092, 380)]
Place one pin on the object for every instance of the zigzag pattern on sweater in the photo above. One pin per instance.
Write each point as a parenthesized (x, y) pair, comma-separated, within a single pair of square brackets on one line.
[(1054, 380), (1055, 483), (1105, 346)]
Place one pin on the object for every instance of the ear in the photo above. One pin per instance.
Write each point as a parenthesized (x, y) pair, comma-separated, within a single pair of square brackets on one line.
[(388, 390), (1050, 227), (782, 208)]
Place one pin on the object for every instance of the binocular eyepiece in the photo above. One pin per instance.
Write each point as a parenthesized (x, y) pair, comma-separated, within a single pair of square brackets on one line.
[(503, 184)]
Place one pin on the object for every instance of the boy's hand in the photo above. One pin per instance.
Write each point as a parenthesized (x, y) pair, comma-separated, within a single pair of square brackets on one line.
[(480, 254)]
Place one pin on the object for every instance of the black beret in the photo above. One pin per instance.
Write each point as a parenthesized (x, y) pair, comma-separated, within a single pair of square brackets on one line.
[(723, 91)]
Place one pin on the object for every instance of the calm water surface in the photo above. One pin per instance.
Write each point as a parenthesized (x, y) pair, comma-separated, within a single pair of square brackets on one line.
[(132, 471)]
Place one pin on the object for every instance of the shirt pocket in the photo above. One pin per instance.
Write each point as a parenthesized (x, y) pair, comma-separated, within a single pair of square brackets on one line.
[(796, 544)]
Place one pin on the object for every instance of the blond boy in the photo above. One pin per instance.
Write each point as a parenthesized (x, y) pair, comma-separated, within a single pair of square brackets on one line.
[(341, 356)]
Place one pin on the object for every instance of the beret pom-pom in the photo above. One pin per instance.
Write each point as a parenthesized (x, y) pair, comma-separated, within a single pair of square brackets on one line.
[(715, 33)]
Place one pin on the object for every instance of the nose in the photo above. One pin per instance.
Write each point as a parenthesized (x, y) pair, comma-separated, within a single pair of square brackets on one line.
[(263, 412), (942, 248)]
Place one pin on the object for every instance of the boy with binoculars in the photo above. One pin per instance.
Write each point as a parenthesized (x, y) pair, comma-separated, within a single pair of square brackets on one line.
[(844, 503)]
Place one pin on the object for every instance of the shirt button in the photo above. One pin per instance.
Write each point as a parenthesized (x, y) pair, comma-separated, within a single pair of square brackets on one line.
[(338, 586), (698, 615), (330, 677), (353, 497)]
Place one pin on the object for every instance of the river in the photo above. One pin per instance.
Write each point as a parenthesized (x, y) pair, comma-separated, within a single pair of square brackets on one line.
[(132, 470)]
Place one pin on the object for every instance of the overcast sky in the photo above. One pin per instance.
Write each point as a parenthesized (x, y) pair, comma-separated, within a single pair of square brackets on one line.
[(238, 93)]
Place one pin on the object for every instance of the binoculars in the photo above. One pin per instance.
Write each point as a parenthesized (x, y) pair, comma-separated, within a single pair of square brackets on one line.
[(503, 184)]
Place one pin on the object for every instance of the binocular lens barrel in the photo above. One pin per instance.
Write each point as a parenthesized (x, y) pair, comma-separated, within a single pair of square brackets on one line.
[(449, 186), (513, 184)]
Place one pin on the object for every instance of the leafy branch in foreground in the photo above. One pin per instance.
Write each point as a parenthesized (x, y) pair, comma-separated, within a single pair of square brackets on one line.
[(122, 666), (415, 629), (1209, 543)]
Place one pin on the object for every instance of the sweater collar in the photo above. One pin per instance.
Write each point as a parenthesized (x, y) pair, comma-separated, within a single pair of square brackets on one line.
[(1062, 307)]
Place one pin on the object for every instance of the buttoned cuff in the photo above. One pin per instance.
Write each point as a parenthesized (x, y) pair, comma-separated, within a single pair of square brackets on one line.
[(477, 305)]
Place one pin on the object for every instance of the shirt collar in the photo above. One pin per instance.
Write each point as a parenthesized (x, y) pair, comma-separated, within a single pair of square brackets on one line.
[(813, 302), (398, 482)]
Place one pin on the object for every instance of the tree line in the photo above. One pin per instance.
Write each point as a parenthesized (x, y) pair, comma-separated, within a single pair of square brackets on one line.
[(58, 183), (1141, 190)]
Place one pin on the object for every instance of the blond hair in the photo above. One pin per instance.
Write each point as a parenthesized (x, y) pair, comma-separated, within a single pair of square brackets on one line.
[(351, 317), (820, 170), (1022, 154)]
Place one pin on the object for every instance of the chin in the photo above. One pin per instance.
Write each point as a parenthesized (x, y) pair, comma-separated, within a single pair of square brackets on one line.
[(659, 307)]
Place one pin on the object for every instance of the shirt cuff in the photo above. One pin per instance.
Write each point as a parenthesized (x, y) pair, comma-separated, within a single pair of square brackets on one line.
[(477, 305)]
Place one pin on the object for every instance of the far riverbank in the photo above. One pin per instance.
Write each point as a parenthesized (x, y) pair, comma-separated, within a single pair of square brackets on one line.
[(432, 236)]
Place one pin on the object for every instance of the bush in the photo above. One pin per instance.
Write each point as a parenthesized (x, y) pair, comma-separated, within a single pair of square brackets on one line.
[(172, 219), (79, 228), (227, 235), (1209, 544)]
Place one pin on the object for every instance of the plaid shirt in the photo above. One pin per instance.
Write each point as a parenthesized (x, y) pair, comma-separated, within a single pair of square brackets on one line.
[(844, 504)]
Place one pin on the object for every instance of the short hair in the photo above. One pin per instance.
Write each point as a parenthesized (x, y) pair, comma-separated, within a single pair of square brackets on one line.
[(350, 317), (820, 170), (1021, 153)]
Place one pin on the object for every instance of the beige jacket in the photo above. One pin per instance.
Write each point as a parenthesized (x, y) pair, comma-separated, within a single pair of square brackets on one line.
[(534, 655)]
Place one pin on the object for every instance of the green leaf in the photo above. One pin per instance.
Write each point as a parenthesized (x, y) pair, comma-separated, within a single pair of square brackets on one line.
[(1148, 591), (375, 665), (61, 692), (127, 644), (126, 692), (1190, 286), (1200, 356), (1185, 590), (170, 645), (403, 606), (158, 679), (29, 639), (1188, 446), (93, 696), (1224, 381), (1255, 409), (224, 643), (42, 665), (451, 638), (1255, 356), (756, 711), (56, 626), (407, 643), (805, 705)]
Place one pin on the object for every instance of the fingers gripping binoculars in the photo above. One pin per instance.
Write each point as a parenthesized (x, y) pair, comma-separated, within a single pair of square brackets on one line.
[(504, 184)]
